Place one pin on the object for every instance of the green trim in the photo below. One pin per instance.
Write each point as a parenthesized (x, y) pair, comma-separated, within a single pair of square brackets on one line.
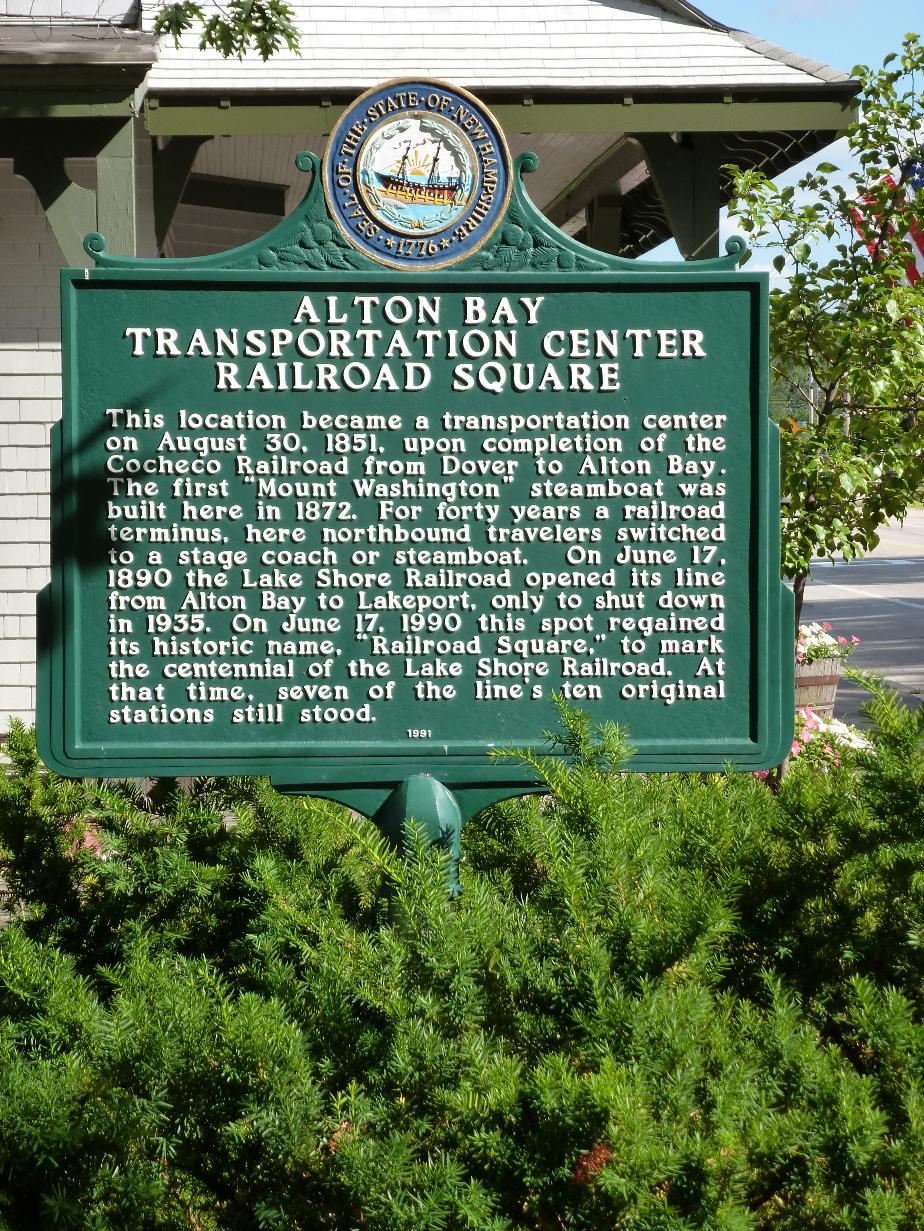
[(226, 116), (669, 116), (223, 117), (39, 153), (57, 105), (306, 238), (115, 188)]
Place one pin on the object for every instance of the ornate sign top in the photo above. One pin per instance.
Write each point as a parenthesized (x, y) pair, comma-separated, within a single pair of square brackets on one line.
[(417, 174)]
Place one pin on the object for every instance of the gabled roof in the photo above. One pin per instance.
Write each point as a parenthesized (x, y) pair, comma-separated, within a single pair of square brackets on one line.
[(626, 45)]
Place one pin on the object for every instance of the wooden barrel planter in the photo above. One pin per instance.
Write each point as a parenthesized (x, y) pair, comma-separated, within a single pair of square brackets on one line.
[(816, 684)]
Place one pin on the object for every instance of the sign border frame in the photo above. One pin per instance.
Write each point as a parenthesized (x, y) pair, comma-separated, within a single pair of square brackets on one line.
[(330, 773)]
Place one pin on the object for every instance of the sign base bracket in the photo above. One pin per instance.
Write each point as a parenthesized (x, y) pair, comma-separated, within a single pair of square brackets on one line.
[(423, 799)]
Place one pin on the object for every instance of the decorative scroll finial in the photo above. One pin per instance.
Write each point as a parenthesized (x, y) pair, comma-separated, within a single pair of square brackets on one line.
[(526, 163), (736, 247), (94, 244)]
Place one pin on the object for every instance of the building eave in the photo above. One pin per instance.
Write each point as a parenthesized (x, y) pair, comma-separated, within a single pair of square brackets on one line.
[(815, 68)]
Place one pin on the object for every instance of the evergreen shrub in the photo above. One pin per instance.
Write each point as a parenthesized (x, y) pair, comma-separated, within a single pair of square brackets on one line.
[(663, 1002)]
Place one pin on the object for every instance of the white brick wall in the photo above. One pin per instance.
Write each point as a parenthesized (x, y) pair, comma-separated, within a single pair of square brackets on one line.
[(30, 399)]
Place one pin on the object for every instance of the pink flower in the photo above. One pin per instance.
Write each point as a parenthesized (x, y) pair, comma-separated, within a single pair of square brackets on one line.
[(87, 839), (826, 626), (795, 749), (842, 641), (854, 640)]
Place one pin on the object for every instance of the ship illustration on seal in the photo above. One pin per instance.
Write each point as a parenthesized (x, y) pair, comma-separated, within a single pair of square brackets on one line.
[(435, 190), (418, 174)]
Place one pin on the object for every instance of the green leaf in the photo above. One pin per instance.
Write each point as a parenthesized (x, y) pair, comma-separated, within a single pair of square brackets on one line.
[(174, 19), (848, 482)]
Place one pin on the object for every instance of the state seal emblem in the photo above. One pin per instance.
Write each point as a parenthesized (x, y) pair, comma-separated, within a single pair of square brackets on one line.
[(417, 174)]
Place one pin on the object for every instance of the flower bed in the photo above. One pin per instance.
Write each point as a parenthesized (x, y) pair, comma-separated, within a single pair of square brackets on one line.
[(824, 738)]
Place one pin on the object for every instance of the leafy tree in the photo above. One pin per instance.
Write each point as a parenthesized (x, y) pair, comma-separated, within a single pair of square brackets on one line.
[(847, 331), (234, 27)]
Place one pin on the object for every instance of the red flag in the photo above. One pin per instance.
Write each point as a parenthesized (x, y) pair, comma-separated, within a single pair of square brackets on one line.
[(912, 183)]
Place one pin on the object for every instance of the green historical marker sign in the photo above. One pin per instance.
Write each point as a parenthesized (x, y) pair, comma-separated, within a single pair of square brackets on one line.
[(348, 504)]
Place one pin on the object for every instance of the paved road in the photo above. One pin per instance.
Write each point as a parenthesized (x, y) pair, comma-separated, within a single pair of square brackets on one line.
[(880, 599)]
